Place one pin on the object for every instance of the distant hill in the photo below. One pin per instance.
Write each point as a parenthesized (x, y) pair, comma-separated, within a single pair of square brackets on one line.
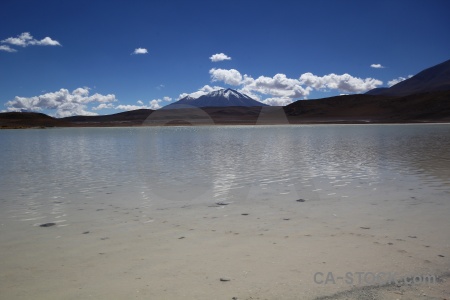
[(222, 98), (361, 108), (436, 78), (29, 119), (133, 117)]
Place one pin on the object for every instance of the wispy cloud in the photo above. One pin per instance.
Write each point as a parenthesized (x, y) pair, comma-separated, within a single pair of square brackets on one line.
[(219, 57), (7, 48), (202, 91), (377, 66), (140, 51), (103, 106), (152, 104), (24, 40), (397, 80)]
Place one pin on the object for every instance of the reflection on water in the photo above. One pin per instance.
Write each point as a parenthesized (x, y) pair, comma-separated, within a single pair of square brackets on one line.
[(44, 170)]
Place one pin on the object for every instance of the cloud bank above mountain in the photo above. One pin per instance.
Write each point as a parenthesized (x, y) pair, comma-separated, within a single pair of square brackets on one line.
[(282, 90)]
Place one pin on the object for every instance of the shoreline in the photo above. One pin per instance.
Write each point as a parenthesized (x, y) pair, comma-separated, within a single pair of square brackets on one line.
[(225, 124)]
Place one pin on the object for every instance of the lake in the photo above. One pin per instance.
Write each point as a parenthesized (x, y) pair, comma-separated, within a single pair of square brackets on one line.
[(165, 212)]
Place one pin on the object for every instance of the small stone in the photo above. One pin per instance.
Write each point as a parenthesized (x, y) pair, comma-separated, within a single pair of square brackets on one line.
[(86, 232), (245, 214), (47, 225), (364, 227), (181, 237), (224, 279), (300, 200), (412, 236), (286, 219), (222, 203), (440, 255)]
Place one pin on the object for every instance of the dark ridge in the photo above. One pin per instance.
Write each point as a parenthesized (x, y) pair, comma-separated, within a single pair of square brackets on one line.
[(29, 120), (127, 118), (436, 78), (424, 107)]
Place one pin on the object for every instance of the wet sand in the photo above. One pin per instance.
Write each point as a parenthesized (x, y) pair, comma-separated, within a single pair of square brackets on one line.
[(263, 248)]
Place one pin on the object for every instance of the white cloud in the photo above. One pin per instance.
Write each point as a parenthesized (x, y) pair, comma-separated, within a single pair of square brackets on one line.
[(130, 107), (397, 80), (377, 66), (202, 91), (26, 39), (83, 92), (219, 57), (282, 101), (279, 86), (47, 42), (282, 90), (103, 106), (64, 102), (231, 77), (168, 99), (7, 48), (140, 51), (153, 104), (344, 83)]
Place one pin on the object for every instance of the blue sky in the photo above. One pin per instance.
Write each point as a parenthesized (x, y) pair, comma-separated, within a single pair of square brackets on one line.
[(77, 57)]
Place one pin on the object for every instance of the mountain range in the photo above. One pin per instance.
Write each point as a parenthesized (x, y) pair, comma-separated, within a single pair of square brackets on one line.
[(424, 97)]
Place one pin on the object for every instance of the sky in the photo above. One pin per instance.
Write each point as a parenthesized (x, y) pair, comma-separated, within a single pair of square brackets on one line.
[(82, 57)]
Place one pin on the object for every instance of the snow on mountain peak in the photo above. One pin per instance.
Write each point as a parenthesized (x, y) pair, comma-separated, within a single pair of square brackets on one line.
[(222, 97)]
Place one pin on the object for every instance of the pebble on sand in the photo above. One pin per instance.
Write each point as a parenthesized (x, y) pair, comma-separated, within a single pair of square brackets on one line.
[(300, 200), (224, 279), (47, 225)]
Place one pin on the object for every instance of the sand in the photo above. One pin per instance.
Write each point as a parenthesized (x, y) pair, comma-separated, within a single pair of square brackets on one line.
[(264, 247)]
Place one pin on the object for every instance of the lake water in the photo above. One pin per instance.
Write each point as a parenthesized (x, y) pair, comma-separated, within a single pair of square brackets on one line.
[(95, 180)]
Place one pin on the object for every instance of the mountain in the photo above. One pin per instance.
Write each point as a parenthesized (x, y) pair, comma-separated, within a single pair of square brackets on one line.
[(222, 98), (436, 78)]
